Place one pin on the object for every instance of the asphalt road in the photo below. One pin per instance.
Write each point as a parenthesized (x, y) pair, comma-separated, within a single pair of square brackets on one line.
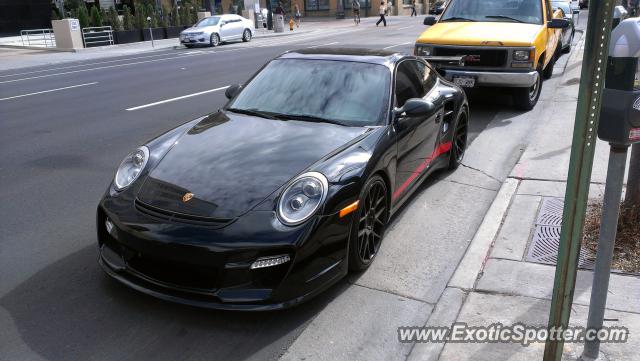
[(61, 145)]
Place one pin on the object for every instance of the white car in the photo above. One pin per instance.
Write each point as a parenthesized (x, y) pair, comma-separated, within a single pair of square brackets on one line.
[(214, 30)]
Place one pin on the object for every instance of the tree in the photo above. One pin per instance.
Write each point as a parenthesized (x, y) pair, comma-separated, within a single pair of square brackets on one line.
[(54, 15), (96, 18), (127, 19), (83, 16)]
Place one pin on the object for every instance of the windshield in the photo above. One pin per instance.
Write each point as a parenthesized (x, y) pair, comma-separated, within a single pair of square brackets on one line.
[(519, 11), (207, 22), (347, 93)]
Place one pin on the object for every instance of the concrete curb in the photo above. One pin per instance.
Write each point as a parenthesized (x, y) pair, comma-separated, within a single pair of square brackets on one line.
[(474, 258), (6, 46)]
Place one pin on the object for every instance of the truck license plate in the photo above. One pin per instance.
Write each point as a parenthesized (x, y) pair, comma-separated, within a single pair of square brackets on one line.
[(464, 81)]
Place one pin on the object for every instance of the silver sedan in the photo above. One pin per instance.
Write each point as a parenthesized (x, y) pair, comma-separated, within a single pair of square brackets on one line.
[(214, 30)]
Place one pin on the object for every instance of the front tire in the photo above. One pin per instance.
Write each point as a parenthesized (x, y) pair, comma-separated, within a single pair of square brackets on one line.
[(548, 71), (214, 40), (246, 35), (527, 98), (369, 224)]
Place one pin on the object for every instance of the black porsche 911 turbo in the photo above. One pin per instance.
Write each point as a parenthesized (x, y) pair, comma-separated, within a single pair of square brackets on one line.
[(280, 193)]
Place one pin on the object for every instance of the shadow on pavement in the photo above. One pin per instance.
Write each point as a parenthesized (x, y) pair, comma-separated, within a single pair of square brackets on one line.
[(70, 310)]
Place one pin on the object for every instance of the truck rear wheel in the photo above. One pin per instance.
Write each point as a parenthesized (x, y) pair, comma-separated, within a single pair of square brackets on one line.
[(527, 98)]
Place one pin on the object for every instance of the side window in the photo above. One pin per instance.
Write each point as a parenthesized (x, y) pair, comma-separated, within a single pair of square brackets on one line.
[(408, 82), (428, 76)]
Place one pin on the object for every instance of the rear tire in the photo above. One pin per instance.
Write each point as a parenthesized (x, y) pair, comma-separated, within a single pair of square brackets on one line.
[(214, 40), (246, 35), (459, 142), (369, 224), (527, 98), (189, 45)]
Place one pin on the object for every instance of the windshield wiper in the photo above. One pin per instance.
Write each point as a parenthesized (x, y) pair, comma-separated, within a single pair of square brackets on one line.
[(456, 18), (310, 118), (254, 112), (503, 17)]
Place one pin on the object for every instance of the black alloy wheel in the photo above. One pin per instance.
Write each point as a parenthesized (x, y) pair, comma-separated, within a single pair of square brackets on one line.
[(369, 224), (460, 138)]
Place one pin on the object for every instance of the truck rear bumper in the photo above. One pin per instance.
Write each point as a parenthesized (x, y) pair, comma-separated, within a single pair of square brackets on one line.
[(498, 79)]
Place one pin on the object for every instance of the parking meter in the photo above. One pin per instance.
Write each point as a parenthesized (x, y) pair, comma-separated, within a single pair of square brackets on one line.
[(620, 110)]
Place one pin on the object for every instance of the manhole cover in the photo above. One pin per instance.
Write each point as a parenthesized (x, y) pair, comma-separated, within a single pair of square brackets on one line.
[(546, 237)]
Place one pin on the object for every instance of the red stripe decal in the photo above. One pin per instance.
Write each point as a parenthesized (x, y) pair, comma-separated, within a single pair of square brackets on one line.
[(442, 148)]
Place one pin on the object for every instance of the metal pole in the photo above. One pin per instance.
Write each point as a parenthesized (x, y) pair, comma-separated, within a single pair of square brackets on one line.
[(580, 166), (608, 230)]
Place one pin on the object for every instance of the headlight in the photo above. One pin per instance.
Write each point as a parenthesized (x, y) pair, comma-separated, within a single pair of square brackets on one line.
[(131, 167), (302, 198), (522, 55), (422, 50)]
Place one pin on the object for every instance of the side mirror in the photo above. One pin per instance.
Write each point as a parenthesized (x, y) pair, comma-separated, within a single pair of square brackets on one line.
[(222, 23), (232, 91), (415, 107), (429, 20), (557, 23)]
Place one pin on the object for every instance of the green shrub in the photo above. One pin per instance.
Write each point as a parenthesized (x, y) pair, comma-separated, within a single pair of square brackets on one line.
[(175, 17), (83, 16), (113, 19), (127, 19), (96, 19), (151, 12), (141, 18)]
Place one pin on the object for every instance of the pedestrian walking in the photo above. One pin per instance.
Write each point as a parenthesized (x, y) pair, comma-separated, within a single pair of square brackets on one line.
[(355, 6), (298, 15), (382, 10), (279, 9), (413, 8)]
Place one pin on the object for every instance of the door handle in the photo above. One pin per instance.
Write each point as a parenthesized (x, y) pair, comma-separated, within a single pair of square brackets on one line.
[(438, 117)]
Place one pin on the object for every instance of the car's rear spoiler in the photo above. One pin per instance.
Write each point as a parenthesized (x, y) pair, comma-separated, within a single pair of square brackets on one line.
[(445, 60)]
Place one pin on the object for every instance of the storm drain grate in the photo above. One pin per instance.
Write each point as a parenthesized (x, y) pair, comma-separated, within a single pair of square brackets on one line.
[(546, 237)]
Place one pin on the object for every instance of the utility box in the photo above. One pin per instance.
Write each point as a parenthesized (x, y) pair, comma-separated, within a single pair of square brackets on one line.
[(620, 109), (203, 14), (68, 34), (278, 23)]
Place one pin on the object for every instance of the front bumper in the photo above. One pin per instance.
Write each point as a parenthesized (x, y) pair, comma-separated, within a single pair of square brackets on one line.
[(210, 267), (494, 78)]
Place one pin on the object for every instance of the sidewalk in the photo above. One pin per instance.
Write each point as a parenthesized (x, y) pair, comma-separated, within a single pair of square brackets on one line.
[(507, 274)]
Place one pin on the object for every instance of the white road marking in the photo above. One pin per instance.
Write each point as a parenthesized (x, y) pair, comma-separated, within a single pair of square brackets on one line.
[(177, 98), (95, 63), (393, 46), (49, 91), (96, 68), (318, 46), (406, 27)]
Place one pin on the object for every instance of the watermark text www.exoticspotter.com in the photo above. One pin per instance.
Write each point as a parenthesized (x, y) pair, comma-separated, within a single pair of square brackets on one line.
[(460, 332)]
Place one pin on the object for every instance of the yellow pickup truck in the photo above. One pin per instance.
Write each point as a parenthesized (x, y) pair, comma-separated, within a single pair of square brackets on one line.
[(501, 43)]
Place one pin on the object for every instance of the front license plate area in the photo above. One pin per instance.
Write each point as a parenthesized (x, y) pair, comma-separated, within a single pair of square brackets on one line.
[(464, 81)]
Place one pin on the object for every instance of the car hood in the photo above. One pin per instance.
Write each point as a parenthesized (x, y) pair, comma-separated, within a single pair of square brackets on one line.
[(481, 34), (198, 30), (231, 162)]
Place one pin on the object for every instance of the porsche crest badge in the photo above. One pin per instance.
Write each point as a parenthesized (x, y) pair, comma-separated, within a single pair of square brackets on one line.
[(187, 197)]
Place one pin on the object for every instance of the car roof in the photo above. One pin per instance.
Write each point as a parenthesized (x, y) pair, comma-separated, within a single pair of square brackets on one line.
[(381, 57)]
